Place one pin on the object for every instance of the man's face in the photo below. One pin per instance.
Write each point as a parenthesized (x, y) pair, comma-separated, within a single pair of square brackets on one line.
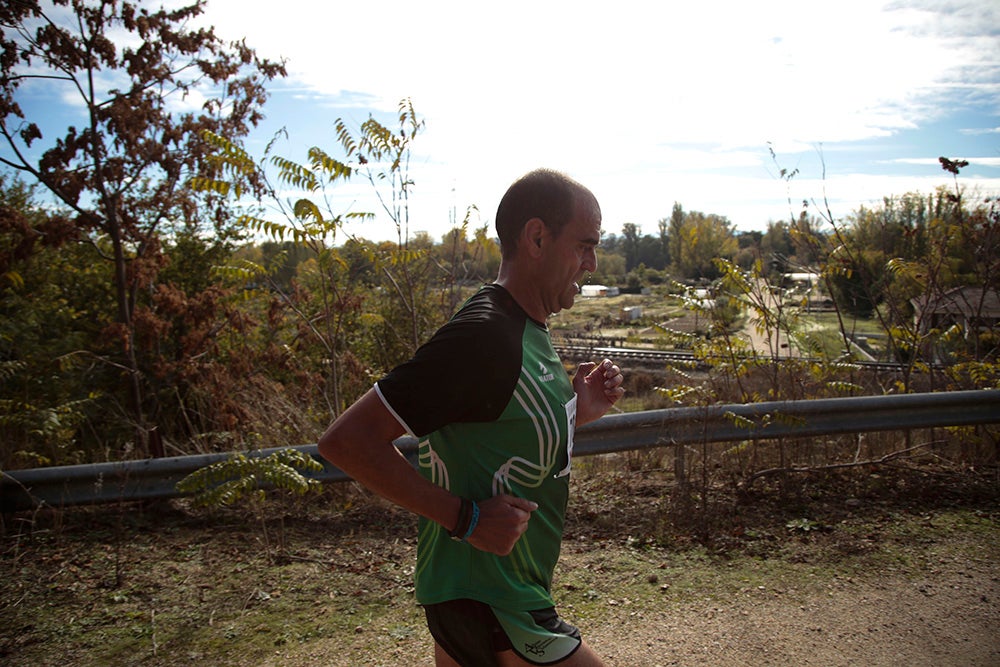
[(570, 256)]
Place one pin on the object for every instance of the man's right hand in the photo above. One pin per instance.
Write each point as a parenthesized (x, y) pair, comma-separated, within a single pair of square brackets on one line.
[(502, 521)]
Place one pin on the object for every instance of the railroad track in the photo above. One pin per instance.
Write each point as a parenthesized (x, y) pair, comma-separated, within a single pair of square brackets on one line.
[(664, 357)]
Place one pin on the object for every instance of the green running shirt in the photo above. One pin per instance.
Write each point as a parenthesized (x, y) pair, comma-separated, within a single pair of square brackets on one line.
[(495, 411)]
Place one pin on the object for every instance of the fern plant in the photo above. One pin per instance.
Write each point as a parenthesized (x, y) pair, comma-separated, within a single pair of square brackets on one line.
[(243, 478), (227, 482), (303, 223)]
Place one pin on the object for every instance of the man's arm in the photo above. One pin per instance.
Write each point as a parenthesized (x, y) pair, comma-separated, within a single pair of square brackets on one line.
[(359, 442)]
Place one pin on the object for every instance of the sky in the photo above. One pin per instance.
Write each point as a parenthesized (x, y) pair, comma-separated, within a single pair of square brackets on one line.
[(646, 103)]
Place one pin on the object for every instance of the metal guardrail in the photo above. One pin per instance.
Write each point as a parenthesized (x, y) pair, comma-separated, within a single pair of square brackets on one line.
[(156, 478)]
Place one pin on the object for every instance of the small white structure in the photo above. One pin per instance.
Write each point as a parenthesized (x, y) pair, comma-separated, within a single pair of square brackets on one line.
[(631, 313), (809, 280), (598, 290)]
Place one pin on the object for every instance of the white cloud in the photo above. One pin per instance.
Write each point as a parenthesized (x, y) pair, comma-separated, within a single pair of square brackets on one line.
[(646, 103), (649, 103), (732, 73)]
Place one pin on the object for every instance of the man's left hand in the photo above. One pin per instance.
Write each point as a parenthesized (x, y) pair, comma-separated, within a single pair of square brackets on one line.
[(598, 387)]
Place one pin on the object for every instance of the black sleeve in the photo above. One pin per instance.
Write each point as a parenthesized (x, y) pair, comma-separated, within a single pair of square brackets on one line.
[(466, 373)]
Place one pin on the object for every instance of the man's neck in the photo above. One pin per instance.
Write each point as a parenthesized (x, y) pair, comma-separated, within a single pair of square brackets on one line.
[(526, 297)]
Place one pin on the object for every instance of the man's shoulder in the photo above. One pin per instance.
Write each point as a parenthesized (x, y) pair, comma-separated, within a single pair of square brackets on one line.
[(466, 371), (489, 316), (491, 302)]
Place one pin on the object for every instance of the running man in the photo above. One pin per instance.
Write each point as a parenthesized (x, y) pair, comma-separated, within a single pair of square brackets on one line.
[(495, 413)]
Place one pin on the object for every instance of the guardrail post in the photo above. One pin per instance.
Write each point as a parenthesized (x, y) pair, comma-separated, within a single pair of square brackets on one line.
[(680, 465)]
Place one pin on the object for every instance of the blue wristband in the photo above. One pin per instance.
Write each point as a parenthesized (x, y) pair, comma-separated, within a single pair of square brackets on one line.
[(473, 521)]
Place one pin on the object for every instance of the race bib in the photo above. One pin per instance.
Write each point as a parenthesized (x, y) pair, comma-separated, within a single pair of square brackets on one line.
[(570, 431)]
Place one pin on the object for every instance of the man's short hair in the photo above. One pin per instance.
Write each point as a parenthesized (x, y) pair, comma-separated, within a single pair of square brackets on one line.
[(544, 193)]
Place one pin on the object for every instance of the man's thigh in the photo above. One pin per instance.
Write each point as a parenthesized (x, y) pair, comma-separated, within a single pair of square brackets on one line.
[(582, 657)]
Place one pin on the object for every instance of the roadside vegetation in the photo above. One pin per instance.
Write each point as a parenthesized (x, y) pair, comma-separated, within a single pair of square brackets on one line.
[(160, 296), (160, 302)]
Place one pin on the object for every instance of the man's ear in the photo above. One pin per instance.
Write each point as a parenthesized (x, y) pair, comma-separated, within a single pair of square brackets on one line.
[(532, 236)]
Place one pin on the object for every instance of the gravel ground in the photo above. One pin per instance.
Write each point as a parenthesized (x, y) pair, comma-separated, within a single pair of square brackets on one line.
[(949, 618), (946, 615)]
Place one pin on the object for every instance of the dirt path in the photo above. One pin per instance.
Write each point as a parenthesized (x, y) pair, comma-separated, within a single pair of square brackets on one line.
[(947, 619), (880, 584), (946, 616)]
